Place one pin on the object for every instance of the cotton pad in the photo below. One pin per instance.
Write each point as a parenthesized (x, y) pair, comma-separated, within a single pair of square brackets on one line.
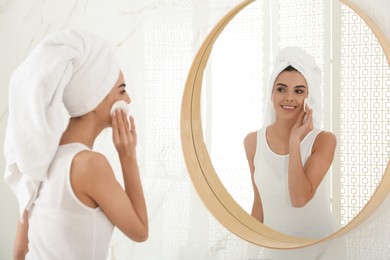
[(304, 105), (122, 105)]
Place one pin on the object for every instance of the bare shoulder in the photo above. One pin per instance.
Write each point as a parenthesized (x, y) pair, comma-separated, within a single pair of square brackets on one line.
[(90, 162), (90, 171), (250, 142), (250, 138), (325, 139)]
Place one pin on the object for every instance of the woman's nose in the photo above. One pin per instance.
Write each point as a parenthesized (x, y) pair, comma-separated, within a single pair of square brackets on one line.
[(289, 97), (128, 99)]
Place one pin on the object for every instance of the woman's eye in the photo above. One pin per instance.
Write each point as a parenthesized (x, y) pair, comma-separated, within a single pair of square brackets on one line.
[(122, 88), (299, 91), (280, 89)]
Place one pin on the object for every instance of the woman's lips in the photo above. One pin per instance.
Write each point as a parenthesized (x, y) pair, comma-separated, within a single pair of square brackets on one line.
[(288, 107)]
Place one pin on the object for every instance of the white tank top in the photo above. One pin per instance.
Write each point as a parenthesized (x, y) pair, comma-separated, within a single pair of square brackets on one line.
[(60, 225), (314, 220)]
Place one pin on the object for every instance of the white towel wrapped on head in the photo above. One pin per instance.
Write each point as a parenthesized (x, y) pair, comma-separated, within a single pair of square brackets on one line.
[(300, 60), (73, 67)]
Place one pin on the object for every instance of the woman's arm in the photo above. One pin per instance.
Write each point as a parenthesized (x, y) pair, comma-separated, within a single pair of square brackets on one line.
[(21, 241), (125, 141), (303, 180), (93, 178), (250, 142)]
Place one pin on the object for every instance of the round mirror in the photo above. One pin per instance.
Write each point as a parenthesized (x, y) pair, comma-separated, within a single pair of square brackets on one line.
[(223, 101)]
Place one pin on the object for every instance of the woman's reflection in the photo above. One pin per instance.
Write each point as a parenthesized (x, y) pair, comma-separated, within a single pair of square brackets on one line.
[(290, 156)]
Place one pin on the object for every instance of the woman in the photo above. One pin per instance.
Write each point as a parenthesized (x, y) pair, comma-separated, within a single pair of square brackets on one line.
[(67, 193), (290, 156)]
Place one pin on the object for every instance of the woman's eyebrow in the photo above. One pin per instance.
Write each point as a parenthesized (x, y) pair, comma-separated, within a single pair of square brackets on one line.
[(284, 85), (122, 85)]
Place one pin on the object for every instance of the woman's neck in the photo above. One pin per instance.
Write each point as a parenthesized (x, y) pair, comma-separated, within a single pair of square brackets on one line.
[(278, 136), (282, 128), (81, 130)]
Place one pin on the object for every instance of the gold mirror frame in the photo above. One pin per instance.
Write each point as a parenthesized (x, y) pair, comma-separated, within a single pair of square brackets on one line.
[(204, 177)]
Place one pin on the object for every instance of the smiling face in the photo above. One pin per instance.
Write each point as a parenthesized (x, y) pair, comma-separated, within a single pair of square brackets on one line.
[(288, 94)]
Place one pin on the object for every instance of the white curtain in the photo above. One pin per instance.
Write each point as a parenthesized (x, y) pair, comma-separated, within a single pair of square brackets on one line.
[(156, 42)]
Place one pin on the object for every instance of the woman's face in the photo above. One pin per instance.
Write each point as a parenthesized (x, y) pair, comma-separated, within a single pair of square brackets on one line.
[(288, 94), (118, 92)]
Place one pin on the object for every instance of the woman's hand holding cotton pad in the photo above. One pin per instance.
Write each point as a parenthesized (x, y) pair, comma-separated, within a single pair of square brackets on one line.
[(122, 105)]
